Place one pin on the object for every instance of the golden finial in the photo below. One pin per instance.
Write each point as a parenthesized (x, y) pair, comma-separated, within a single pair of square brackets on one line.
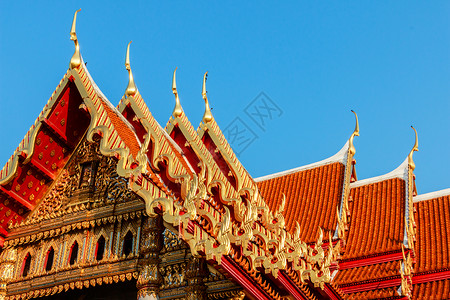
[(411, 163), (351, 147), (178, 110), (207, 116), (75, 61), (131, 88)]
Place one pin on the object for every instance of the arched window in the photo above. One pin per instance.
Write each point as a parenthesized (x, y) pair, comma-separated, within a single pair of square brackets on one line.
[(73, 257), (49, 259), (128, 243), (100, 248), (26, 265)]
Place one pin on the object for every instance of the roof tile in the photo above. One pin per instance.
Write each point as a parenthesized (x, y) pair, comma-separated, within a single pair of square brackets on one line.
[(435, 290), (312, 197), (377, 294), (377, 218), (367, 273), (433, 234)]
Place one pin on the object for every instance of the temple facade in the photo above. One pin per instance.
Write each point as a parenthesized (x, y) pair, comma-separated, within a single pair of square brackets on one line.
[(101, 202)]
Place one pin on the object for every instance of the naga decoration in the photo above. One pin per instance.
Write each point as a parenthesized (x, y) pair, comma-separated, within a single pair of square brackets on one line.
[(216, 220), (207, 116), (214, 204), (406, 273), (131, 88), (75, 61), (218, 214), (343, 212), (410, 223), (177, 111)]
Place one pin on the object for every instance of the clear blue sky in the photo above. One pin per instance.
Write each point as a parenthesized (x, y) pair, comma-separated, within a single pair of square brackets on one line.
[(389, 61)]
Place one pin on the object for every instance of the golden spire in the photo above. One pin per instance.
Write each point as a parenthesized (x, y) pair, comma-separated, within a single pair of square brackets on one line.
[(351, 147), (207, 116), (178, 110), (75, 61), (131, 88), (411, 163)]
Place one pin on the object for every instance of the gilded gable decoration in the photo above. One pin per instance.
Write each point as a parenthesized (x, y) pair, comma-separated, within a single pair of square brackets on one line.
[(98, 194), (343, 209), (178, 110), (76, 59), (207, 116), (131, 88)]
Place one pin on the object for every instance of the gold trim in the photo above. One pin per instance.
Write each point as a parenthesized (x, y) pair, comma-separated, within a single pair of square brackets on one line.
[(131, 88), (75, 61), (411, 163), (178, 110), (343, 210), (26, 146), (351, 148), (207, 116)]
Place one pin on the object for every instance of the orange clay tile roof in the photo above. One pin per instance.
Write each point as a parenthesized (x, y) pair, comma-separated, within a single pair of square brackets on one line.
[(433, 234), (312, 197), (377, 217), (435, 290), (125, 132), (371, 272), (378, 294)]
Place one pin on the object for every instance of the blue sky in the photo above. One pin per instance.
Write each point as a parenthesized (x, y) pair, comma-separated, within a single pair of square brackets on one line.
[(390, 62)]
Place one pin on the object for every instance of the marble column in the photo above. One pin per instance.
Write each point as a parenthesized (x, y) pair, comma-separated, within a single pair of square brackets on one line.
[(7, 261), (196, 271), (149, 278)]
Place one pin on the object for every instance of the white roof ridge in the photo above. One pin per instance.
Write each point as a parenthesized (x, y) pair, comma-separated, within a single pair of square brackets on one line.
[(432, 195), (400, 172), (340, 156)]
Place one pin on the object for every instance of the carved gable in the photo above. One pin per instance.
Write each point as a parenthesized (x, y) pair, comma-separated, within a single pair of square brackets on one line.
[(88, 180)]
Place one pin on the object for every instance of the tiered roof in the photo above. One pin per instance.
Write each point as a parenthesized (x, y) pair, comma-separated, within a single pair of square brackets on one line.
[(313, 195), (267, 233), (377, 218), (432, 270)]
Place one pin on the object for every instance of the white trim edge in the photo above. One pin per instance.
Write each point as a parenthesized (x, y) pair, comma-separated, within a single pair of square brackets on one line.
[(432, 195), (340, 156), (401, 172)]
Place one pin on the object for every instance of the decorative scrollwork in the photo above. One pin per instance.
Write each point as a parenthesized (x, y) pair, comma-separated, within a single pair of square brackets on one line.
[(54, 199), (171, 241), (173, 275)]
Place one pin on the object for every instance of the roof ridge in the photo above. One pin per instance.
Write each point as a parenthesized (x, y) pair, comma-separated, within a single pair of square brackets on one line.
[(106, 101), (432, 195), (340, 156), (400, 172)]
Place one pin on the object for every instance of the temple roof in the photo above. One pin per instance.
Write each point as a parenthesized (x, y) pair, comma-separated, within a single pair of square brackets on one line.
[(218, 207), (312, 197), (433, 231), (384, 293), (377, 218), (436, 290), (119, 126), (368, 273), (340, 156), (400, 172), (432, 195), (313, 192)]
